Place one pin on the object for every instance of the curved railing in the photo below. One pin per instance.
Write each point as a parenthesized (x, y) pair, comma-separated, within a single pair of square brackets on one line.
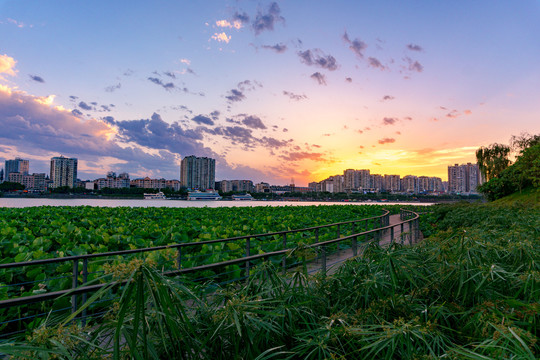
[(376, 229)]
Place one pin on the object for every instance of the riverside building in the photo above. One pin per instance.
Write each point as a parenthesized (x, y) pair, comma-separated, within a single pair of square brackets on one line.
[(16, 166), (198, 173), (463, 179), (63, 172)]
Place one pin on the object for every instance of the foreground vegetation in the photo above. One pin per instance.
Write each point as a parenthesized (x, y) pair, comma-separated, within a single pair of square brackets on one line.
[(30, 234), (469, 290)]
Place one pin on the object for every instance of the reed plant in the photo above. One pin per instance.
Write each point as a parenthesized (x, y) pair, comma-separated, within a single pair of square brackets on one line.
[(471, 290)]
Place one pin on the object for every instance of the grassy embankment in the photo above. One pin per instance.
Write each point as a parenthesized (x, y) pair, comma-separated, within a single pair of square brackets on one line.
[(471, 290)]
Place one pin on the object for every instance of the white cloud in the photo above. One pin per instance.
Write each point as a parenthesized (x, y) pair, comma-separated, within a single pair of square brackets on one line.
[(226, 24), (7, 65), (221, 37)]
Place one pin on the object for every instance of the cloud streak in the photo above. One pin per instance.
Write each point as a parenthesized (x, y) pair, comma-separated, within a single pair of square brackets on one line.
[(293, 96), (317, 58), (266, 21), (356, 45), (386, 141), (278, 48), (167, 86), (37, 78), (235, 95), (320, 78)]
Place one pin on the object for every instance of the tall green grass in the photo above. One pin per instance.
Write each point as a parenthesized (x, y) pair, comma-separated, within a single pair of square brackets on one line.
[(470, 290)]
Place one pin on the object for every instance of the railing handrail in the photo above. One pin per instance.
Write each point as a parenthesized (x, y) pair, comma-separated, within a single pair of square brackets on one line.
[(173, 246), (89, 288)]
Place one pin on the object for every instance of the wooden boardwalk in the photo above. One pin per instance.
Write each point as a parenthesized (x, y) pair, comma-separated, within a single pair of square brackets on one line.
[(334, 260)]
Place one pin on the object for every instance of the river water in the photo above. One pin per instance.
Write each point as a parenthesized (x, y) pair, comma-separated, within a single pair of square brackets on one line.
[(30, 202)]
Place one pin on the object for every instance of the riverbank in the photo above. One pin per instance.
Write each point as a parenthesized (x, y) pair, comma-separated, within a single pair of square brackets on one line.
[(389, 198)]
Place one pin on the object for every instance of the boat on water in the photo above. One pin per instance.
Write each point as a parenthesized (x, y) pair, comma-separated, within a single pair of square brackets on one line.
[(206, 195), (242, 197), (157, 196)]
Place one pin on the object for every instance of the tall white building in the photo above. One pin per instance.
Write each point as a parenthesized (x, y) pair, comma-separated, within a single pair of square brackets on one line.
[(198, 173), (63, 172)]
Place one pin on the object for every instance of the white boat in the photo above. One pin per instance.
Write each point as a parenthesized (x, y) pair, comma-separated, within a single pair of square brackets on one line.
[(200, 195), (242, 197), (157, 196)]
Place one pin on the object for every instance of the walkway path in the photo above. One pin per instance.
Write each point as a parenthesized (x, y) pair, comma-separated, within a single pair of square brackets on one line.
[(334, 260)]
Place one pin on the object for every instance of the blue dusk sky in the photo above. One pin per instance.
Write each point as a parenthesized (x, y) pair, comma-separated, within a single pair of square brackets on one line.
[(271, 90)]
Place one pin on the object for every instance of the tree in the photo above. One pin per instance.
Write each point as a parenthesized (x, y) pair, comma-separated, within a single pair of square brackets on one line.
[(10, 186), (492, 160), (524, 173), (523, 141)]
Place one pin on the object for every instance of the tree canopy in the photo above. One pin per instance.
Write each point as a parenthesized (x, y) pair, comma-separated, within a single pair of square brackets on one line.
[(492, 160), (9, 186), (524, 173)]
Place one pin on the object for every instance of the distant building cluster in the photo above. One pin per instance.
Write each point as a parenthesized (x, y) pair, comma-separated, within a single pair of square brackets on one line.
[(198, 173), (462, 179), (18, 171), (362, 181)]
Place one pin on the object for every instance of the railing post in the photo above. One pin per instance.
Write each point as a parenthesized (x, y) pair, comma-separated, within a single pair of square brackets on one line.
[(401, 234), (316, 235), (374, 227), (354, 244), (323, 260), (338, 231), (417, 232), (410, 232), (392, 235), (179, 257), (248, 250), (84, 280), (284, 260), (367, 235), (74, 283)]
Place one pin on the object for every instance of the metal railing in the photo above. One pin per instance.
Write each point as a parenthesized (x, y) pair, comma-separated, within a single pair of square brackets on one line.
[(375, 229)]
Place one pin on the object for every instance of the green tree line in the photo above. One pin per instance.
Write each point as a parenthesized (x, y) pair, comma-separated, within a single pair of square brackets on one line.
[(504, 177)]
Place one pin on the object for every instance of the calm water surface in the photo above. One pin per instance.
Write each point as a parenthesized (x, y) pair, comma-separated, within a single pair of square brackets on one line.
[(23, 202)]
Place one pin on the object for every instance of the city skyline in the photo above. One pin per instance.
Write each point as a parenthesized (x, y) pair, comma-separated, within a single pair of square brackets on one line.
[(199, 173), (271, 90)]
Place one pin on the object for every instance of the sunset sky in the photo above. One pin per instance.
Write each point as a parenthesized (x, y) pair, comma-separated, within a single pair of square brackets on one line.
[(271, 90)]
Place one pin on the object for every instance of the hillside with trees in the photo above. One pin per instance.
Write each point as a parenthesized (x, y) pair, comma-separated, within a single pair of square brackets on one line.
[(505, 178)]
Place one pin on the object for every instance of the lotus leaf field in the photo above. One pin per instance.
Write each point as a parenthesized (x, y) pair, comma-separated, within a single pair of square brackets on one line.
[(29, 234)]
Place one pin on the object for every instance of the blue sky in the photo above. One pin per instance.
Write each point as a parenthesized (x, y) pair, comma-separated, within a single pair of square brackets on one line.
[(272, 90)]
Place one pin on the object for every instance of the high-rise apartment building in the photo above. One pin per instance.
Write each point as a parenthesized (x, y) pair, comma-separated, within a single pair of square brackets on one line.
[(350, 180), (463, 179), (356, 179), (63, 172), (16, 166), (1, 175), (198, 172), (409, 184), (376, 182), (392, 183)]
